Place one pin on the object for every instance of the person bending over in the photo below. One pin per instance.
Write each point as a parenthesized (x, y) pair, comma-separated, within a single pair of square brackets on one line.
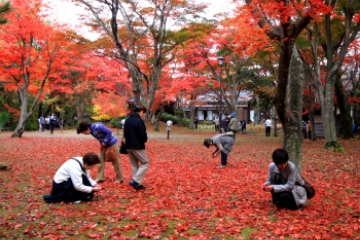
[(223, 143), (72, 181), (281, 182), (106, 139)]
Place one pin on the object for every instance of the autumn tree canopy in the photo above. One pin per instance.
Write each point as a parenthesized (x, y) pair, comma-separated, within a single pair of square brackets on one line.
[(30, 52)]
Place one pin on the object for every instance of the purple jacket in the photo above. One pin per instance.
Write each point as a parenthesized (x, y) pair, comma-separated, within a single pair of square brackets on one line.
[(103, 134)]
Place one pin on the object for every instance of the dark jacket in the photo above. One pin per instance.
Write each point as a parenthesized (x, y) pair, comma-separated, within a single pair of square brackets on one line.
[(135, 132)]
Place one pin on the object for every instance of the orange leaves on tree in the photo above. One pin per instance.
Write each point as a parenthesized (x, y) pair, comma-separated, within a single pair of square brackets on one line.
[(30, 48), (353, 100), (109, 105)]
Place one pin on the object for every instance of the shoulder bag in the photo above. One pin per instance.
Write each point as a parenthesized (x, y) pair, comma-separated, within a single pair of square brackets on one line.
[(310, 190), (110, 154)]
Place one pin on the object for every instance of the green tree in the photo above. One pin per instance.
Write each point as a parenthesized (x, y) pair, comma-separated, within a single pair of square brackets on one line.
[(3, 9)]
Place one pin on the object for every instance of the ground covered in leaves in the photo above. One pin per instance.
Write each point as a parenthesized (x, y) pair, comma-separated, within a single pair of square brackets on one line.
[(187, 196)]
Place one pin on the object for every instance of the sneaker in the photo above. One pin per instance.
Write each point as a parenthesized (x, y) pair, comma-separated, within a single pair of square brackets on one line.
[(221, 166), (77, 202), (141, 187)]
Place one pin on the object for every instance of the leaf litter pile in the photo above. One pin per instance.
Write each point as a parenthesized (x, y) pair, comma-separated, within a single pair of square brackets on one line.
[(187, 196)]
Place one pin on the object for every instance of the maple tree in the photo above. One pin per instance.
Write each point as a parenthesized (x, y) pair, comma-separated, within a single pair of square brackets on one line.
[(30, 50), (141, 36), (283, 21)]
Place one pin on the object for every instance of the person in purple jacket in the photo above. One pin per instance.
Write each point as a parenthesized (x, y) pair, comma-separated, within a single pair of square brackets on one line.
[(106, 139)]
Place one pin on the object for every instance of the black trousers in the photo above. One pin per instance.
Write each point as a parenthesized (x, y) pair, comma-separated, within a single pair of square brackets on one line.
[(284, 199), (52, 126), (267, 131), (224, 157), (66, 192)]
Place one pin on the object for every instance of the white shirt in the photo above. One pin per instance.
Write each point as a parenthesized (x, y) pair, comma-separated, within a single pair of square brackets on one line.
[(268, 123), (71, 169)]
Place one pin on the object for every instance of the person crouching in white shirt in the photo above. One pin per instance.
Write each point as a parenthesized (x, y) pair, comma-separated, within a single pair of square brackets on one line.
[(72, 182)]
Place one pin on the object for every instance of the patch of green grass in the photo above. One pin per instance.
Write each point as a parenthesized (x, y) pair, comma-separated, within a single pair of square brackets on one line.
[(272, 217), (171, 227), (351, 190), (152, 198), (246, 232)]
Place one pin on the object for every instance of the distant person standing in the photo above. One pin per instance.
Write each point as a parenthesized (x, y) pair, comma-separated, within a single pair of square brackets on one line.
[(122, 122), (268, 125), (304, 128), (243, 126), (47, 121), (52, 122), (75, 119), (308, 129), (196, 121), (233, 124), (135, 137), (216, 122), (42, 123), (225, 123)]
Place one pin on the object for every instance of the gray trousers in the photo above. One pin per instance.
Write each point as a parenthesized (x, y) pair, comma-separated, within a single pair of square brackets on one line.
[(139, 164)]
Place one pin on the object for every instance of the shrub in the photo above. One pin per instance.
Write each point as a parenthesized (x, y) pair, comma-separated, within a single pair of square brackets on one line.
[(32, 123), (116, 122), (4, 118), (166, 116), (207, 122), (185, 122), (179, 113)]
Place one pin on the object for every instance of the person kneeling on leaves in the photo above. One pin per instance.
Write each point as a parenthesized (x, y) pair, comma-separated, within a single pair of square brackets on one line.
[(282, 181), (72, 181), (223, 143)]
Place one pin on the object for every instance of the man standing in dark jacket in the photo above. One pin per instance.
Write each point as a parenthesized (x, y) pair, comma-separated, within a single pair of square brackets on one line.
[(135, 137)]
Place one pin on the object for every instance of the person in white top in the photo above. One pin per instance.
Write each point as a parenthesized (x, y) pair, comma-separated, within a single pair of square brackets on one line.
[(123, 122), (216, 122), (72, 181), (268, 124)]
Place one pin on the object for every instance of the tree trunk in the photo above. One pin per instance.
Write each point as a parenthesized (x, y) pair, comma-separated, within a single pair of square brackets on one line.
[(79, 108), (329, 118), (192, 116), (158, 117), (273, 113), (24, 115), (312, 116), (346, 120), (293, 138)]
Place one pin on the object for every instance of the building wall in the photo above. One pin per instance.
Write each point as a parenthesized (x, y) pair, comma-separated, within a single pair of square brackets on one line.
[(209, 112)]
